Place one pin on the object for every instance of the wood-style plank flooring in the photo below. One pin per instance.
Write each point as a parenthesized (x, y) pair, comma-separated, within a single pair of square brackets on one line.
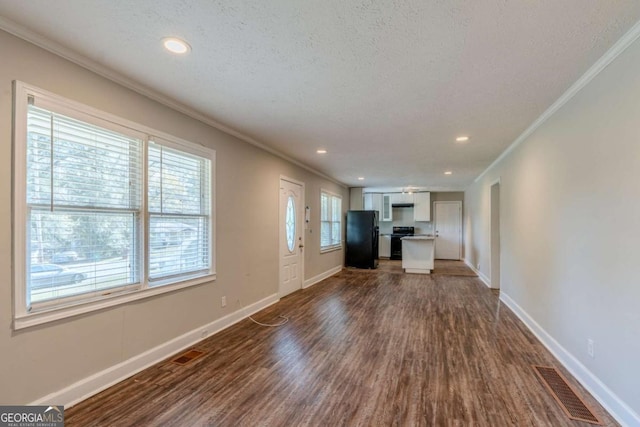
[(362, 348)]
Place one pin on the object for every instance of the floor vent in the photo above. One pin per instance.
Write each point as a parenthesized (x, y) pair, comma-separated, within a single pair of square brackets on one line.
[(187, 357), (565, 395)]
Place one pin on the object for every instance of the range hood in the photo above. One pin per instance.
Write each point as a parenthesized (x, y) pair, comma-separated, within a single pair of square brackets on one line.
[(402, 205)]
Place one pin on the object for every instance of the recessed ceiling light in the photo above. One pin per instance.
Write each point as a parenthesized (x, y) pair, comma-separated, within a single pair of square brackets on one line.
[(361, 178), (321, 151), (448, 173), (176, 45), (462, 139)]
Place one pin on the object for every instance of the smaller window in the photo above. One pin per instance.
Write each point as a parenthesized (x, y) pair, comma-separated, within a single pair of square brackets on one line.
[(330, 221)]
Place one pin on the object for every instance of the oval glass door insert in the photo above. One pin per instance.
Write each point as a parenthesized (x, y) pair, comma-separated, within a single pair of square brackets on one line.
[(290, 223)]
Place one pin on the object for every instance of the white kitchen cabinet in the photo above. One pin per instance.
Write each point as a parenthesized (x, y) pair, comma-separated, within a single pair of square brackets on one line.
[(384, 246), (422, 207), (373, 202), (402, 198), (386, 213)]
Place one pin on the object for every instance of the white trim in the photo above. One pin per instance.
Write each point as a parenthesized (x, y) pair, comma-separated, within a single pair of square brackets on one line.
[(602, 63), (320, 277), (292, 180), (72, 56), (331, 248), (281, 214), (607, 398), (19, 189), (331, 193), (99, 381), (481, 276), (27, 320)]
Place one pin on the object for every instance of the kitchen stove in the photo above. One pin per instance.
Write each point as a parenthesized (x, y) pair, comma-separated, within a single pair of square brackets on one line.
[(396, 242)]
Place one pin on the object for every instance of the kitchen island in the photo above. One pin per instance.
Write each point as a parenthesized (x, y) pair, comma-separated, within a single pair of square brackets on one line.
[(418, 253)]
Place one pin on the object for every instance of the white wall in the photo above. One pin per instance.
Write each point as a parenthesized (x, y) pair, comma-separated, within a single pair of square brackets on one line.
[(570, 213), (44, 359)]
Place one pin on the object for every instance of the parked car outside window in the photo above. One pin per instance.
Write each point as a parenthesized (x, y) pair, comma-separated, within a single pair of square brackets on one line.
[(49, 275), (64, 257)]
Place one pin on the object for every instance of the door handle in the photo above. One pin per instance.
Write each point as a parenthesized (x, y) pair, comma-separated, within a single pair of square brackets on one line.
[(301, 246)]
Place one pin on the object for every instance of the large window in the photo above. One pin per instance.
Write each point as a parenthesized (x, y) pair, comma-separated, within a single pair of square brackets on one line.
[(104, 208), (330, 221)]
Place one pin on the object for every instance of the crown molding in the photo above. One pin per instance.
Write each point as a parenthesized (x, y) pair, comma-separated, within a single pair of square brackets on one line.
[(39, 40), (602, 63)]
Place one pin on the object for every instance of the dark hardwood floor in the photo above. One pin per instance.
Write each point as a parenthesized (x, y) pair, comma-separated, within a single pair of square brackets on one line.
[(377, 348)]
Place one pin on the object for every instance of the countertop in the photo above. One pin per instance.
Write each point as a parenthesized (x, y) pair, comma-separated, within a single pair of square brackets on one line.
[(420, 237)]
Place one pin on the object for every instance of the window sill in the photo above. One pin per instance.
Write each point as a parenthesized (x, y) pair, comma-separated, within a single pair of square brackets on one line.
[(50, 315), (330, 249)]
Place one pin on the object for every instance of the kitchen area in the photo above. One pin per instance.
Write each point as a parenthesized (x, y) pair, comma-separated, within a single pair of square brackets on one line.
[(405, 219)]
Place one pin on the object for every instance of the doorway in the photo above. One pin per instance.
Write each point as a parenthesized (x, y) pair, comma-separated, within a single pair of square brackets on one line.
[(291, 241), (448, 230), (495, 235)]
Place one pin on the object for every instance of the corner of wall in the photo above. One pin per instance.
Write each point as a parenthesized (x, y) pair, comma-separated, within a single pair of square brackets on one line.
[(603, 394)]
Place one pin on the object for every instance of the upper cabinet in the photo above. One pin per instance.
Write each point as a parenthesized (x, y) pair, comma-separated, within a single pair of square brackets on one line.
[(401, 198), (386, 213), (383, 203), (378, 202), (373, 202), (422, 207)]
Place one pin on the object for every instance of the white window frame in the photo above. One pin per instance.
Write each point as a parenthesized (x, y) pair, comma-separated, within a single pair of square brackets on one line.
[(23, 317), (331, 195)]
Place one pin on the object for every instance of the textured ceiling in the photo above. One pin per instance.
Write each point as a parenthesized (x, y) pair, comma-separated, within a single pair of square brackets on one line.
[(384, 86)]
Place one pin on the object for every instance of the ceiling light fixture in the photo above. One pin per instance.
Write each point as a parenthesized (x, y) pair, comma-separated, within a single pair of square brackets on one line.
[(361, 178), (321, 151), (409, 190), (448, 173), (175, 45), (462, 139)]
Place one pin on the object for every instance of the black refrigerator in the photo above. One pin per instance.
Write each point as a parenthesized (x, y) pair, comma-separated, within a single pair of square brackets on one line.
[(362, 239)]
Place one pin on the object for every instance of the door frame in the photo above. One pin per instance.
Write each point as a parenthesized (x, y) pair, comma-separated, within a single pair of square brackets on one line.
[(435, 220), (281, 226), (495, 235)]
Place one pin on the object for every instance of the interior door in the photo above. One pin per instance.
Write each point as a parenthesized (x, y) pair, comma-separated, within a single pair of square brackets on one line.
[(291, 236), (448, 229)]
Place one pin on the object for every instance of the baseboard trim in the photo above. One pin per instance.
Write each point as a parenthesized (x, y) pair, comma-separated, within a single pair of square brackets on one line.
[(607, 398), (320, 277), (102, 380), (481, 276)]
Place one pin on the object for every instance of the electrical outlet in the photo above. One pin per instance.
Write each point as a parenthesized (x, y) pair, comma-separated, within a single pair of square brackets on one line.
[(590, 347), (204, 333), (478, 267), (224, 301)]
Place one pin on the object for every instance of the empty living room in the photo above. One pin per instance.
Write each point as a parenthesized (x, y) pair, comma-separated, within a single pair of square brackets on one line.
[(342, 213)]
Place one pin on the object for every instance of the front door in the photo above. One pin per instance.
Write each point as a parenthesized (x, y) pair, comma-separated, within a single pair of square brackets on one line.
[(291, 236), (448, 228)]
